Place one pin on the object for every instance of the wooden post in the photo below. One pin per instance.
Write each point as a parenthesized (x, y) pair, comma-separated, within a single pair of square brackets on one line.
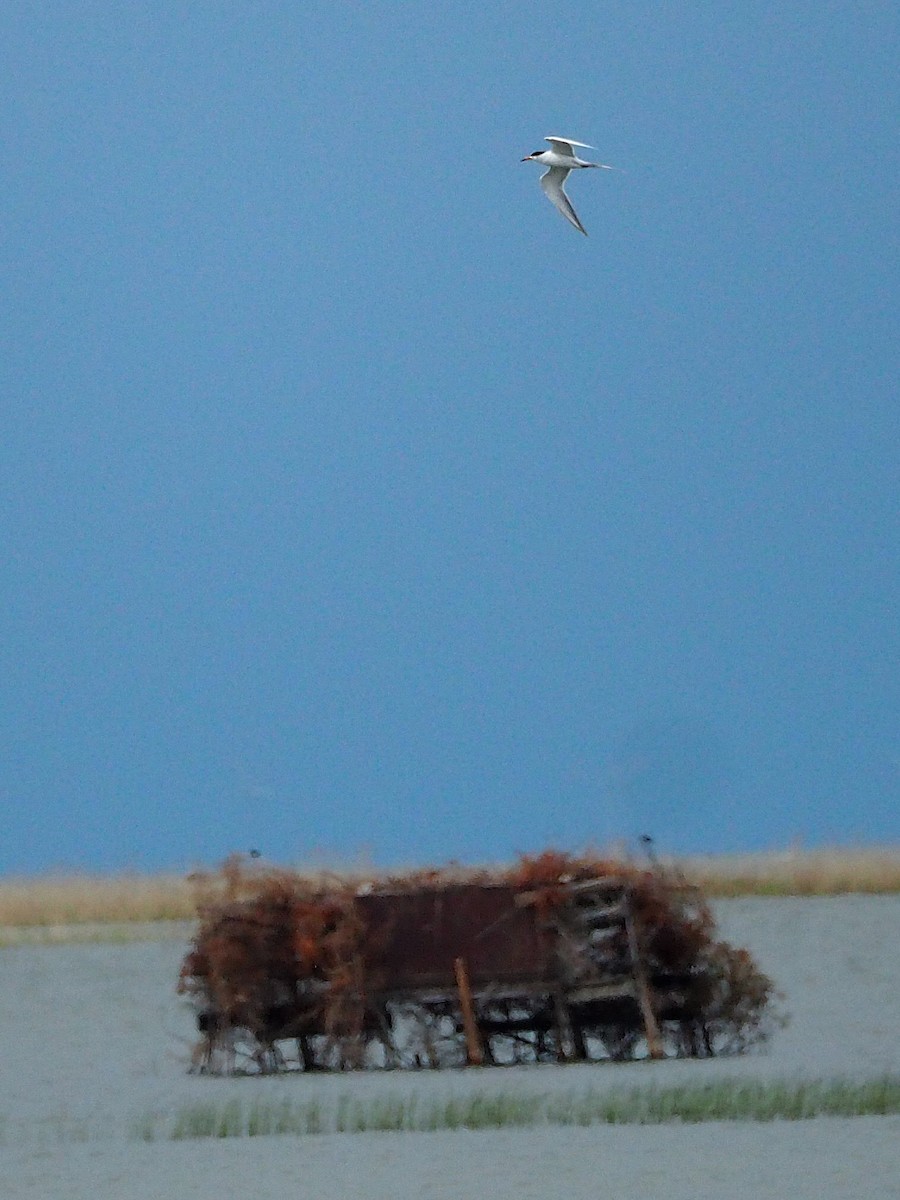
[(474, 1048), (579, 1046), (565, 1050), (307, 1058), (642, 986)]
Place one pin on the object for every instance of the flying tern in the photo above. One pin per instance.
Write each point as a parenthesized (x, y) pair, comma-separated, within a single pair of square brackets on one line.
[(561, 159)]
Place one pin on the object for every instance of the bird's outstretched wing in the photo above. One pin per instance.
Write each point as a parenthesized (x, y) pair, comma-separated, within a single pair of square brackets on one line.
[(566, 144), (552, 182)]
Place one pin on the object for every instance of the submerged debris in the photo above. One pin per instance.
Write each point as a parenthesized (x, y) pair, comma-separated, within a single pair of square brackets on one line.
[(560, 958)]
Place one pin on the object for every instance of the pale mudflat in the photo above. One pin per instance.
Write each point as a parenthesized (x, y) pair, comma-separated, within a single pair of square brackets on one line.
[(95, 1040), (824, 1159)]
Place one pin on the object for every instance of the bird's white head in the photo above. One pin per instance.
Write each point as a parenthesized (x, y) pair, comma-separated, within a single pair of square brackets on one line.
[(536, 156)]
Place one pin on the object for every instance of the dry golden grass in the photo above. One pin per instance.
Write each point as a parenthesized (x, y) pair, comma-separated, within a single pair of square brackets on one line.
[(832, 871), (94, 899), (47, 905)]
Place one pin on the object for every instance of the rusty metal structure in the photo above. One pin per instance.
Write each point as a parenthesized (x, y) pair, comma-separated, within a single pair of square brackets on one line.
[(560, 959)]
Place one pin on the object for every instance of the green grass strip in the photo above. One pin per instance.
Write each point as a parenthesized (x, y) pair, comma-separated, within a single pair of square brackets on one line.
[(726, 1100)]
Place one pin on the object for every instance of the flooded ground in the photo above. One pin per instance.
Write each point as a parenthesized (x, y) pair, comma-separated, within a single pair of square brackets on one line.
[(95, 1041)]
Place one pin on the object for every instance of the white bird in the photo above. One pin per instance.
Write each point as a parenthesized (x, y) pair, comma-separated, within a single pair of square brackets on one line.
[(561, 159)]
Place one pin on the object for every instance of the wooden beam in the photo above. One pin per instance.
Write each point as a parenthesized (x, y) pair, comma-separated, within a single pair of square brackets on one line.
[(642, 989), (474, 1048), (570, 888), (565, 1039)]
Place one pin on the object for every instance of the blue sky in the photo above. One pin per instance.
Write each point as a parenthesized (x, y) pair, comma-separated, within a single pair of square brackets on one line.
[(352, 502)]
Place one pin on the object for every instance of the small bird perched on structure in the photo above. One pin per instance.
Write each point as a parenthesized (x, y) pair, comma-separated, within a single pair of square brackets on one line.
[(647, 842), (562, 159)]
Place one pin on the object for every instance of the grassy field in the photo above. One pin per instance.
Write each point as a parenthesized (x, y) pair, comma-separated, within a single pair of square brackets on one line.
[(65, 900), (828, 872), (726, 1100), (87, 907)]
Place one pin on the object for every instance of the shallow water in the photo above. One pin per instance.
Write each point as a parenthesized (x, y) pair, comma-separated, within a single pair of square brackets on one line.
[(95, 1039)]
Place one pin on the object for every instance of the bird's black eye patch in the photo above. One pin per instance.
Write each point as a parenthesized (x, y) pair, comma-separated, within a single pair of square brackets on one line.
[(536, 152)]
